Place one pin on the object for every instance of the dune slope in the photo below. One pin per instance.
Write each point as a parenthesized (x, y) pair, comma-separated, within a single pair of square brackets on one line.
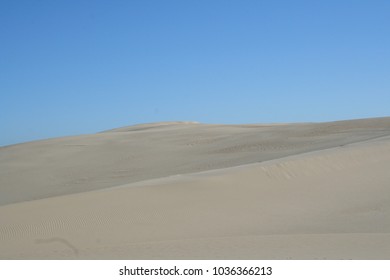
[(306, 201), (60, 166)]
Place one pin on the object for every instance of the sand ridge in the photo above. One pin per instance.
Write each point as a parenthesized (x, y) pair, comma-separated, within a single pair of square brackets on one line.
[(90, 162), (324, 195)]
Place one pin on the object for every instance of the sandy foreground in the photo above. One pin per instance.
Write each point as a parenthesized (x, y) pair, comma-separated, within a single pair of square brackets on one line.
[(182, 190)]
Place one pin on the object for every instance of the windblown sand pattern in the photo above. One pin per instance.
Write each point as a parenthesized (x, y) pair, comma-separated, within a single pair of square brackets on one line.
[(183, 190)]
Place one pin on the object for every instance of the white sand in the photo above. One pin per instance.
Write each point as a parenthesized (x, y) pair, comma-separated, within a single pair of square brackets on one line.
[(196, 191)]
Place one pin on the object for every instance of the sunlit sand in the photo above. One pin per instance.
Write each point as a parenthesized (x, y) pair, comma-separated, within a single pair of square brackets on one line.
[(185, 190)]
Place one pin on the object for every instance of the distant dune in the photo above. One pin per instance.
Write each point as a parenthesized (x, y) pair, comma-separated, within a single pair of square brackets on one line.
[(185, 190)]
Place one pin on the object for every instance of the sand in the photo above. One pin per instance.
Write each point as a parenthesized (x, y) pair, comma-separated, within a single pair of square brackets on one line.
[(184, 190)]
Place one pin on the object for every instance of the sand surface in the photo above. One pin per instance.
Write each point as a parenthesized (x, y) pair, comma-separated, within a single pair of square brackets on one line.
[(184, 190)]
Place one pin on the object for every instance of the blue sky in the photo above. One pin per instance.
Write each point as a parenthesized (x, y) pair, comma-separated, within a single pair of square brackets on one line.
[(75, 67)]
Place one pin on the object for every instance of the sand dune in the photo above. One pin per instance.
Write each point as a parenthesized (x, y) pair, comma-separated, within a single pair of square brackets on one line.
[(196, 191)]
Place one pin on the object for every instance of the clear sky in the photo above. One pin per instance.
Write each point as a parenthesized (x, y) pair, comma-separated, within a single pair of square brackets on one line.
[(74, 67)]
